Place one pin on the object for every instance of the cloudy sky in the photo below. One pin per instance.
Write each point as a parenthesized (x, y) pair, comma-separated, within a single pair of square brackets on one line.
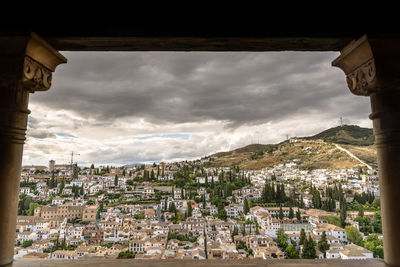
[(118, 108)]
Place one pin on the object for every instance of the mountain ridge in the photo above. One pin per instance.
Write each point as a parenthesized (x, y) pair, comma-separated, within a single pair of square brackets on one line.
[(316, 151)]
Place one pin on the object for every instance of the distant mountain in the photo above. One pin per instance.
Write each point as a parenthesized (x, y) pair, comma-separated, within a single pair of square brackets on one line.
[(347, 134), (308, 152)]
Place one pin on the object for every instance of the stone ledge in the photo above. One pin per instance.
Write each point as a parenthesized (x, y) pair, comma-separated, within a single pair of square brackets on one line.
[(187, 263)]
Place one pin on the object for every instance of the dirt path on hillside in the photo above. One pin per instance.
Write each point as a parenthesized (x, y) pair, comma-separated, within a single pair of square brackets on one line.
[(353, 156)]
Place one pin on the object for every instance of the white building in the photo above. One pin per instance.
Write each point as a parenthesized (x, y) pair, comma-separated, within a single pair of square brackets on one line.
[(234, 210)]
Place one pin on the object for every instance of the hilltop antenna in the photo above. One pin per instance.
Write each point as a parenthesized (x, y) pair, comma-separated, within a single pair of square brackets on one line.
[(287, 137), (341, 121)]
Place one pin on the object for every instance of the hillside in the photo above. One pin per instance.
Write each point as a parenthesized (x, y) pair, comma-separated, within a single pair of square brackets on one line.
[(347, 134), (309, 152), (245, 149)]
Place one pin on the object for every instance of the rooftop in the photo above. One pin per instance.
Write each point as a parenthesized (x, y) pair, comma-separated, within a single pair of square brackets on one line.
[(193, 263)]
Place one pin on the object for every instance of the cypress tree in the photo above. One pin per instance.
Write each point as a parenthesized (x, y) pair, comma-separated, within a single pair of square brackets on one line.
[(172, 207), (361, 212), (61, 187), (246, 208), (257, 231), (281, 213), (291, 213), (343, 214), (190, 210), (205, 244), (298, 215), (302, 237), (309, 251), (243, 229), (323, 245)]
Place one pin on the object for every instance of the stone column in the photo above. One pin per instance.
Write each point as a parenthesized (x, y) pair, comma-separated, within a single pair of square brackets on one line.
[(372, 68), (26, 66)]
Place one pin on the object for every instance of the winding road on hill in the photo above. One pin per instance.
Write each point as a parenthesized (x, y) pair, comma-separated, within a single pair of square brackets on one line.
[(353, 156)]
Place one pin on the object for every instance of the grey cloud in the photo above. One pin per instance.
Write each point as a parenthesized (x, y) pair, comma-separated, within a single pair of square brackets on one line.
[(237, 88), (40, 134), (226, 99), (32, 122)]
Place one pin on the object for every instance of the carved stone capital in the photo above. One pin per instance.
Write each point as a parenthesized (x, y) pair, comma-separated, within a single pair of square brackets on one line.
[(36, 77), (371, 65), (361, 81), (357, 62), (28, 63), (26, 66)]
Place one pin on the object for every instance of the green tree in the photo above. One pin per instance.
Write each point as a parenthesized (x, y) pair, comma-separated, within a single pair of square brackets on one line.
[(361, 211), (309, 251), (221, 212), (334, 220), (243, 229), (353, 235), (62, 185), (139, 216), (92, 166), (374, 244), (235, 232), (190, 209), (116, 180), (298, 215), (32, 207), (323, 245), (75, 189), (125, 255), (27, 243), (302, 237), (291, 213), (52, 182), (172, 207), (377, 223), (246, 208), (57, 244), (292, 252), (205, 243), (280, 213), (343, 213), (257, 230), (282, 238), (63, 244)]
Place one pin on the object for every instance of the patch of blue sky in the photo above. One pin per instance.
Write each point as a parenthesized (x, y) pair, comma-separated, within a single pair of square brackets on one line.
[(170, 136), (66, 135)]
